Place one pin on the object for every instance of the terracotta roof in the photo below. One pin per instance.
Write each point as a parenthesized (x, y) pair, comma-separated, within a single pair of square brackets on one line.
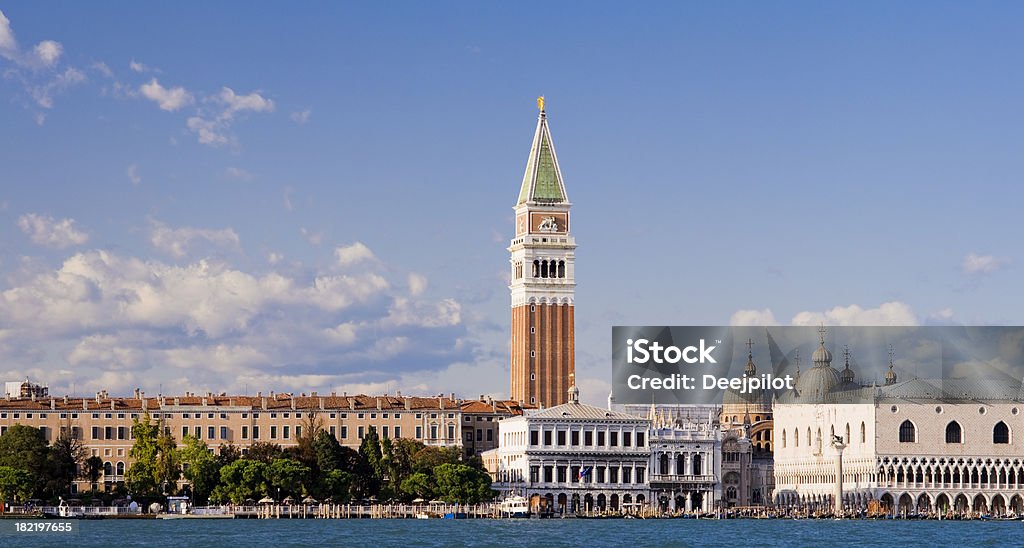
[(355, 402)]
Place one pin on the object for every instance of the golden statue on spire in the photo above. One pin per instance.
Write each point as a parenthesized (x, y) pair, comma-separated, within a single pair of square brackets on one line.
[(540, 103)]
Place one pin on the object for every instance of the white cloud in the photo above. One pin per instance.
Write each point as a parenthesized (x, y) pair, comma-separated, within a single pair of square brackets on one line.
[(352, 254), (139, 67), (238, 173), (209, 326), (44, 93), (43, 55), (50, 232), (886, 314), (238, 103), (7, 42), (274, 258), (417, 284), (48, 52), (301, 116), (983, 264), (169, 99), (208, 132), (176, 241), (753, 317), (892, 313), (133, 174)]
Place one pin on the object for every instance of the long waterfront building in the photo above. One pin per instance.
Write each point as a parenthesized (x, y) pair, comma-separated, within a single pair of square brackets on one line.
[(104, 423)]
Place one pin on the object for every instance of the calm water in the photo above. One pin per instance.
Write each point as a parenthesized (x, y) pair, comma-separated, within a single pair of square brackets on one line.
[(569, 532)]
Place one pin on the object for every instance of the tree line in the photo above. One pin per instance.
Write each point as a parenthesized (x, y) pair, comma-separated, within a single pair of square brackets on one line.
[(317, 466)]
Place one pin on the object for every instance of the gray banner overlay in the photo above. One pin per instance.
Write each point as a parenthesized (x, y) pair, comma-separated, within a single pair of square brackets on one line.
[(789, 364)]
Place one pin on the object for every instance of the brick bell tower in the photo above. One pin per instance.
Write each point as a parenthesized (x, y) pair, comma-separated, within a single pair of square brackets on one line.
[(543, 279)]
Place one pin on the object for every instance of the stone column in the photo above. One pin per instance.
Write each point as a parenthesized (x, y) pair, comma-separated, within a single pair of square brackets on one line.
[(838, 444)]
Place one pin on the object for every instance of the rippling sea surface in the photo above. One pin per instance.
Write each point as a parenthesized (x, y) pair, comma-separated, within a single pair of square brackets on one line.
[(546, 533)]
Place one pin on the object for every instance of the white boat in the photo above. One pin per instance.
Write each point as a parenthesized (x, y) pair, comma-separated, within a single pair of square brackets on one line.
[(515, 506)]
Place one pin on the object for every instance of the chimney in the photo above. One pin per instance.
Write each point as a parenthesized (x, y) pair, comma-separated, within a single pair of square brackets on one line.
[(440, 402), (136, 393), (263, 402), (145, 404), (259, 394), (53, 403), (33, 395), (177, 401), (111, 404), (204, 402), (352, 404), (321, 402), (85, 404), (292, 398), (378, 403), (65, 399), (452, 396), (398, 393), (312, 394), (231, 402), (408, 404), (334, 394)]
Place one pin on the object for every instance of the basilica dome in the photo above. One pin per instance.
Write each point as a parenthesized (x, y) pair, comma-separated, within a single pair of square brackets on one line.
[(818, 382)]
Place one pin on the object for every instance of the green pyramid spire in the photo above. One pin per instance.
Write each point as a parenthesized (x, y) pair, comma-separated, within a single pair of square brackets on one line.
[(542, 182)]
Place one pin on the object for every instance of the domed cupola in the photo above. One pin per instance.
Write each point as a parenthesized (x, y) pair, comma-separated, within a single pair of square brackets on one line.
[(816, 384), (751, 369), (890, 375), (847, 375), (574, 393)]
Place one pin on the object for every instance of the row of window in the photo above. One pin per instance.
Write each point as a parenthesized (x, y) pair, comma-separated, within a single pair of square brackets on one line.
[(955, 433), (211, 432), (588, 474), (572, 438), (273, 415)]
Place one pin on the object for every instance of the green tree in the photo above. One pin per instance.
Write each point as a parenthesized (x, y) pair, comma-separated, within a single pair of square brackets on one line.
[(241, 480), (264, 452), (418, 485), (199, 467), (24, 448), (428, 458), (142, 479), (462, 484), (93, 468), (15, 483), (328, 452), (66, 457), (227, 454), (288, 476), (337, 485), (168, 464), (370, 470)]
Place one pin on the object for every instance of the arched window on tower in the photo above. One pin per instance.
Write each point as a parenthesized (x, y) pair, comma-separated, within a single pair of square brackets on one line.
[(1001, 433), (536, 269), (783, 439), (863, 433), (663, 464), (698, 465), (543, 269), (847, 439), (796, 437), (561, 269), (954, 434), (908, 433)]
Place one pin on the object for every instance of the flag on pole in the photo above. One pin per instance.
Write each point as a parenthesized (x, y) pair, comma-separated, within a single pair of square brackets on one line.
[(585, 471)]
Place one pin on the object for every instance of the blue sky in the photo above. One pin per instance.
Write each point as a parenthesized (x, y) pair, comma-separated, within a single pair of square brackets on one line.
[(236, 197)]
